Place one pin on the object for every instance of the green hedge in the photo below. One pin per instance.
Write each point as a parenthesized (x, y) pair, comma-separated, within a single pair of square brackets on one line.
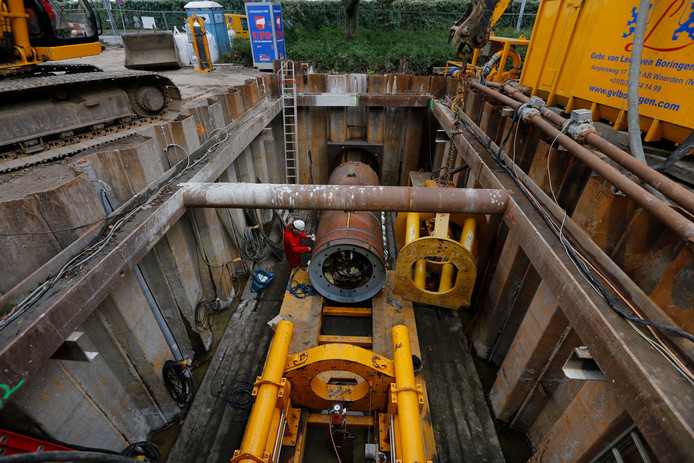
[(372, 52)]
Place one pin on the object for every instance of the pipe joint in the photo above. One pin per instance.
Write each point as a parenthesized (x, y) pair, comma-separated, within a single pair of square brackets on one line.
[(525, 113), (580, 124)]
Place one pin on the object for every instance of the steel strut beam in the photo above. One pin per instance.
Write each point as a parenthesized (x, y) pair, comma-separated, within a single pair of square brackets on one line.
[(345, 198), (655, 395)]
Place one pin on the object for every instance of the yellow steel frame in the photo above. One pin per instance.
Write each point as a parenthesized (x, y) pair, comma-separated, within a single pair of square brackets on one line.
[(473, 69), (366, 379), (315, 391), (456, 270)]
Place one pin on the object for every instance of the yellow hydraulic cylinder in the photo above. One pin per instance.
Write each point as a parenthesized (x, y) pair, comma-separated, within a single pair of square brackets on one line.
[(411, 234), (20, 29), (259, 424), (469, 233), (467, 239), (411, 437)]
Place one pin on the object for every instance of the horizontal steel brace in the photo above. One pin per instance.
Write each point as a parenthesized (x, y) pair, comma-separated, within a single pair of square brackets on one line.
[(362, 99), (345, 198)]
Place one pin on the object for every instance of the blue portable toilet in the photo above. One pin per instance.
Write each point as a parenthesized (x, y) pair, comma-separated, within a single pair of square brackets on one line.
[(213, 15)]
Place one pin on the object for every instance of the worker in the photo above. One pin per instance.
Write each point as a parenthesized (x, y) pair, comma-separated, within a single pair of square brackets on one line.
[(293, 249)]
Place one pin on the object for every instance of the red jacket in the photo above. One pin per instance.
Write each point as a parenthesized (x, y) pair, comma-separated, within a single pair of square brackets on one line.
[(293, 247)]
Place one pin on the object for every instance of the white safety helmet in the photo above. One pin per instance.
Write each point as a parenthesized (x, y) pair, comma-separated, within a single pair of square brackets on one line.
[(299, 225)]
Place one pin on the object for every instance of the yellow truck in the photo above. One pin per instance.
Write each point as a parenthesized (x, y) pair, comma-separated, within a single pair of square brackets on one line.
[(239, 24)]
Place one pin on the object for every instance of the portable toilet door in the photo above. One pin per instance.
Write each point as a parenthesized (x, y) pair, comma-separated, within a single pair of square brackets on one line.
[(213, 14)]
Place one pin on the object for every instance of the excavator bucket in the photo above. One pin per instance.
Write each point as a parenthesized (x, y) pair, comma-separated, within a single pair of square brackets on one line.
[(150, 50)]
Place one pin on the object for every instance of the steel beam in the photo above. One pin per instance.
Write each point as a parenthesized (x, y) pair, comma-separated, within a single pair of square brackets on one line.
[(345, 198), (362, 99), (656, 396), (29, 341)]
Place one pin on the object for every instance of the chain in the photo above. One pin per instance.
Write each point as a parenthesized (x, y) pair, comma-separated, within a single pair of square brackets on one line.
[(445, 177)]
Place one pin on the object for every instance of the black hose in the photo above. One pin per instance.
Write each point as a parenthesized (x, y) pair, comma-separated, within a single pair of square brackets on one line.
[(178, 382), (681, 151), (146, 449), (66, 456)]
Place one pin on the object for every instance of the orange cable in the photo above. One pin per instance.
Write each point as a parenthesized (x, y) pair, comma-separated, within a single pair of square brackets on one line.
[(333, 441)]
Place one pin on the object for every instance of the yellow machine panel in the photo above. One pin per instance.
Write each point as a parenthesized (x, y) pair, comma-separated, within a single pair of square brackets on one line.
[(580, 52)]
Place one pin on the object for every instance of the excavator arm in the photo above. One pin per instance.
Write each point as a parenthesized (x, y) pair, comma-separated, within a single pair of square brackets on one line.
[(472, 30)]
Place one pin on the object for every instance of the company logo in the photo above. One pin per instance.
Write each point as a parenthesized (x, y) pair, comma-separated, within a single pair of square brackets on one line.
[(264, 57), (663, 26), (279, 23), (260, 22)]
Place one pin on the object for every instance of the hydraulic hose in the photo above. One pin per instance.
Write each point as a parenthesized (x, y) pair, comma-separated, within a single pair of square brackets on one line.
[(633, 83)]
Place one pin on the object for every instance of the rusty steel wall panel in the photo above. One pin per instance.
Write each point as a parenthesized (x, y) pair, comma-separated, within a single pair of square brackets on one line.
[(653, 393), (594, 418), (550, 394), (537, 338)]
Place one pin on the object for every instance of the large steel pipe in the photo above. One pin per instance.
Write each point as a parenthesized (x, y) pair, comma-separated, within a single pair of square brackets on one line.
[(660, 182), (668, 216), (345, 198), (348, 259)]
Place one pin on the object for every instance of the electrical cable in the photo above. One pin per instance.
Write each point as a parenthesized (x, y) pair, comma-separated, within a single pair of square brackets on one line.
[(204, 313), (496, 155), (330, 429), (104, 238), (67, 456), (298, 290), (178, 382)]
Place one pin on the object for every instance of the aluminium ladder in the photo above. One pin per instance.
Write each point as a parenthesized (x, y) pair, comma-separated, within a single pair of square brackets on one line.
[(287, 82)]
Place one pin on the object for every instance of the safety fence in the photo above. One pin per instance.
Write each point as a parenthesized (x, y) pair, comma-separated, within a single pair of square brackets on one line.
[(125, 20)]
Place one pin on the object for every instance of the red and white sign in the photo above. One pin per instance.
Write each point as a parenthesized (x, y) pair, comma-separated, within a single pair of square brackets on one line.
[(260, 22)]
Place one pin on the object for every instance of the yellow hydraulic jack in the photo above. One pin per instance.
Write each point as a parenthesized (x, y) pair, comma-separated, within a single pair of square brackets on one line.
[(272, 410), (391, 388), (436, 264)]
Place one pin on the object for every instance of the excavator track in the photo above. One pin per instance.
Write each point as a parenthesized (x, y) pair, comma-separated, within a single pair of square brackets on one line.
[(45, 117)]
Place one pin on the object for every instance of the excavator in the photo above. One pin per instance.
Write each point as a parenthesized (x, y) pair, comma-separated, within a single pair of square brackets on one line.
[(45, 105)]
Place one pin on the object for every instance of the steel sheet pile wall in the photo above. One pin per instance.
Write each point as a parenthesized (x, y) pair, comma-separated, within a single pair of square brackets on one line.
[(399, 125), (523, 323), (119, 397)]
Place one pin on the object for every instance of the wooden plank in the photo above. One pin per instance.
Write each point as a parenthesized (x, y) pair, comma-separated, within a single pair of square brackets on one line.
[(463, 426), (347, 311), (361, 341), (359, 421), (305, 314)]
